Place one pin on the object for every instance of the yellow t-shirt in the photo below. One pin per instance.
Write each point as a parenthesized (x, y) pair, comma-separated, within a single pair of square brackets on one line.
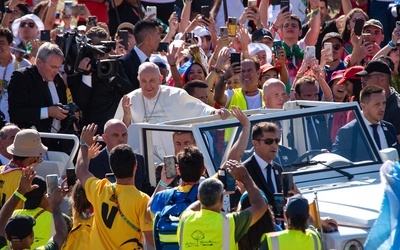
[(110, 230), (9, 182), (43, 227)]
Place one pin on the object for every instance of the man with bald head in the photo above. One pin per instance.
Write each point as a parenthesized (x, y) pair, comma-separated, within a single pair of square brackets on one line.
[(155, 103), (274, 94), (7, 135), (116, 133)]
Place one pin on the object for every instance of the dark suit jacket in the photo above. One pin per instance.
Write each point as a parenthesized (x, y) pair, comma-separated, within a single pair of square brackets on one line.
[(258, 177), (350, 145), (27, 94), (130, 63), (323, 133), (99, 102), (100, 166)]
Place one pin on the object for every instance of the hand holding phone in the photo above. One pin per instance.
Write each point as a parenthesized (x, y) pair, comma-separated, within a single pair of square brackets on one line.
[(111, 177), (205, 11), (310, 52), (285, 3), (227, 179), (151, 10), (92, 21), (235, 58), (329, 50)]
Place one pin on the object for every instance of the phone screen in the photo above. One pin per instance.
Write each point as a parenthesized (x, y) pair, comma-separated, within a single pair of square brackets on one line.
[(232, 24), (71, 176), (51, 183), (205, 11), (235, 57), (45, 35), (123, 34), (170, 169), (285, 3), (92, 20), (223, 31), (111, 177), (358, 26), (278, 205)]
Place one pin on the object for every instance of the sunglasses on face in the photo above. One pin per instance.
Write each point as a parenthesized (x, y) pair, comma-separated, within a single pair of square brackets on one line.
[(269, 141), (336, 46), (23, 24)]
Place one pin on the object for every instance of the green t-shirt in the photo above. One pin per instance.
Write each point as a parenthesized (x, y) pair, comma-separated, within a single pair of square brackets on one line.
[(242, 223)]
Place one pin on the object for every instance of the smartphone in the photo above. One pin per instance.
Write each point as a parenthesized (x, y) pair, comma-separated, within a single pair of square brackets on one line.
[(223, 31), (205, 11), (92, 21), (150, 10), (287, 183), (277, 45), (189, 38), (51, 183), (178, 11), (358, 26), (111, 177), (235, 57), (227, 179), (232, 24), (279, 203), (71, 176), (163, 47), (123, 34), (285, 3), (45, 35), (252, 3), (366, 37), (328, 47), (310, 51), (170, 168)]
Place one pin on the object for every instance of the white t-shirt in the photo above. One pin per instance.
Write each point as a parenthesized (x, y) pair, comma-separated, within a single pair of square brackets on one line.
[(253, 102), (13, 65)]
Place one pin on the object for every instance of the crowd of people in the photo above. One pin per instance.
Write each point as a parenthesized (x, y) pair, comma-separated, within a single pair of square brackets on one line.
[(70, 69)]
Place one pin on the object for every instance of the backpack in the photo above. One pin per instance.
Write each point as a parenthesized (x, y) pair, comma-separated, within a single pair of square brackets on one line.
[(166, 222)]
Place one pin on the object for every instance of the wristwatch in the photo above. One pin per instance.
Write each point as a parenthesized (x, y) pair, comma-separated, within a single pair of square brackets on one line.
[(84, 144)]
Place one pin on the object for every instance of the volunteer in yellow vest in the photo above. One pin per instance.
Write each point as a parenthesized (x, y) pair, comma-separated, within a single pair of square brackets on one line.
[(299, 235), (26, 150), (121, 219), (203, 226), (18, 230), (249, 96), (37, 206)]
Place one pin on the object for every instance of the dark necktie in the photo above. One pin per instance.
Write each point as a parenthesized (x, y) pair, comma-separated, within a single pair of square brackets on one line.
[(269, 178), (312, 135), (147, 60), (376, 135)]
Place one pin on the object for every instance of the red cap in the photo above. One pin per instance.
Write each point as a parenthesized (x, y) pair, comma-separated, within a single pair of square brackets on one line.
[(264, 68), (337, 75), (350, 73)]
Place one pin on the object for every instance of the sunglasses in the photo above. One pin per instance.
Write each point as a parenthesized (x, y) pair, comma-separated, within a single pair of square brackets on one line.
[(30, 25), (269, 141), (336, 46)]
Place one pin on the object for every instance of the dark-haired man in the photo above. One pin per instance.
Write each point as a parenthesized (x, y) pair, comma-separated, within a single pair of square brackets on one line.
[(120, 210), (147, 38), (373, 104)]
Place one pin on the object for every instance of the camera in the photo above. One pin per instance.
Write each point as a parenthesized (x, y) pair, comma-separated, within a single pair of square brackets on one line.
[(76, 47), (70, 121)]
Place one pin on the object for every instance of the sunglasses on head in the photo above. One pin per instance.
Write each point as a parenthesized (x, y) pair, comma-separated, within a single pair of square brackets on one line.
[(30, 25), (269, 141)]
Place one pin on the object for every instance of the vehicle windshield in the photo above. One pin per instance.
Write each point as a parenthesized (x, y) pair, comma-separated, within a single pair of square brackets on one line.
[(303, 136)]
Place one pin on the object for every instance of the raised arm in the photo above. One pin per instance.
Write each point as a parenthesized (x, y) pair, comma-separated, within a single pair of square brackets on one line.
[(82, 164), (55, 200), (236, 152), (311, 37)]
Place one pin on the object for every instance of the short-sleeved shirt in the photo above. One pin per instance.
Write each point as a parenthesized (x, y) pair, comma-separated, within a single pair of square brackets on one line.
[(110, 230), (9, 182), (49, 245)]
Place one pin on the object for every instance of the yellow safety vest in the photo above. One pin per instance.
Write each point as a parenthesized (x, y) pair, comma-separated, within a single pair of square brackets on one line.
[(291, 239), (206, 229), (238, 99)]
